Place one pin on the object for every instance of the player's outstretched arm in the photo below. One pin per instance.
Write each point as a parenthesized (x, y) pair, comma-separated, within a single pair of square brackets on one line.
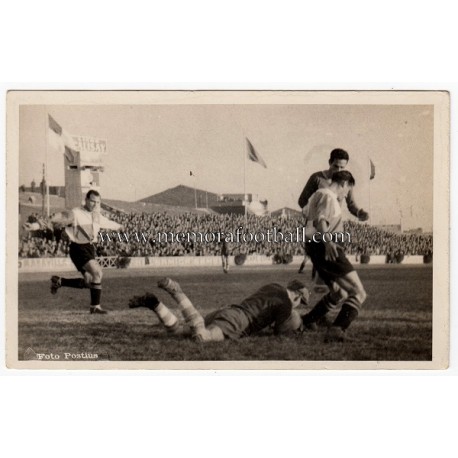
[(106, 223), (63, 218)]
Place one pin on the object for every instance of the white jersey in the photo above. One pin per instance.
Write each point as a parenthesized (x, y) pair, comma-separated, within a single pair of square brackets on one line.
[(323, 205), (86, 225)]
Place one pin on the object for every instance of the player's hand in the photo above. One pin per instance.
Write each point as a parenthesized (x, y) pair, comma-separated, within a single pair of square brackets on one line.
[(330, 249), (363, 215), (305, 296)]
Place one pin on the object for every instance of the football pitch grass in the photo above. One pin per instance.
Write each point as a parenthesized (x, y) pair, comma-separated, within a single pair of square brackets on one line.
[(395, 324)]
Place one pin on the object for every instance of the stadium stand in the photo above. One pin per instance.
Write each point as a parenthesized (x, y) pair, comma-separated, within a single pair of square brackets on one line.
[(365, 239)]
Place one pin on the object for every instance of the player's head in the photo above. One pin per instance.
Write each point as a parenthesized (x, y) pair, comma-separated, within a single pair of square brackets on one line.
[(338, 160), (92, 199), (344, 180), (298, 293)]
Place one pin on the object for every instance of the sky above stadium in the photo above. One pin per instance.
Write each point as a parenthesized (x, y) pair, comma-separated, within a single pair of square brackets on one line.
[(151, 148)]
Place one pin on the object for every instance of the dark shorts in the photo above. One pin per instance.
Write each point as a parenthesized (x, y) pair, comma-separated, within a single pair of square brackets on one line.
[(232, 321), (329, 271), (80, 254)]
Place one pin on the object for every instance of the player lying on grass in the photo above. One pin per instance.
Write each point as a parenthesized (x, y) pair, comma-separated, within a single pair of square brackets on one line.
[(272, 305), (330, 262)]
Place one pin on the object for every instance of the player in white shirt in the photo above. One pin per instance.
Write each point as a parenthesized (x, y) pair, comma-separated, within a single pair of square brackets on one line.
[(82, 227), (329, 260)]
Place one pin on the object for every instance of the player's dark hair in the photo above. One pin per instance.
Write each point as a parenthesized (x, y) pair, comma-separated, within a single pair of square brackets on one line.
[(338, 154), (342, 176), (295, 285), (92, 192)]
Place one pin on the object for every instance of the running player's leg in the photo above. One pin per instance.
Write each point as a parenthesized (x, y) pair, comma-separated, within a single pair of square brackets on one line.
[(356, 295), (225, 263), (57, 282), (93, 268), (80, 255), (327, 303)]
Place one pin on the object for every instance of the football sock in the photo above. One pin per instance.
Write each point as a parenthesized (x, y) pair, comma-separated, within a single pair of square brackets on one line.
[(346, 315), (192, 317), (320, 310), (96, 293), (168, 319), (73, 282)]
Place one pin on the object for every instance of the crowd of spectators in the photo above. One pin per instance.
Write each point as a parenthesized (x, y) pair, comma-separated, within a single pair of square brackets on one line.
[(366, 239), (142, 229)]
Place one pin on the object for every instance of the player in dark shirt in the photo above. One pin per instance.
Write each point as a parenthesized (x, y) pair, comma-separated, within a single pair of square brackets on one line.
[(272, 305), (338, 161)]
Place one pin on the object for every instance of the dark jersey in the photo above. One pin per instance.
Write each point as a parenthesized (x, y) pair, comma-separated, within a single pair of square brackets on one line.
[(320, 180), (268, 306)]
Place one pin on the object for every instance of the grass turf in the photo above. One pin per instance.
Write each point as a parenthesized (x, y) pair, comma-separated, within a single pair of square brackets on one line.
[(395, 324)]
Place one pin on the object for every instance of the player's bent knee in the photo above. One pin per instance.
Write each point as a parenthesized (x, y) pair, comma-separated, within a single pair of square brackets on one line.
[(357, 293), (361, 295), (97, 275), (178, 330), (211, 334)]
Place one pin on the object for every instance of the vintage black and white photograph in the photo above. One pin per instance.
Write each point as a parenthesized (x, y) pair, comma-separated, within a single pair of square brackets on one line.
[(227, 229)]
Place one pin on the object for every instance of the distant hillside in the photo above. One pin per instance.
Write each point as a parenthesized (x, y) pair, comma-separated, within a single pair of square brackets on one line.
[(145, 207), (31, 202), (183, 196)]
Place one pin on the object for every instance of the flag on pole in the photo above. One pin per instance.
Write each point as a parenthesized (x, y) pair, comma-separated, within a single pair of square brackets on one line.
[(54, 126), (254, 156), (372, 170), (59, 140)]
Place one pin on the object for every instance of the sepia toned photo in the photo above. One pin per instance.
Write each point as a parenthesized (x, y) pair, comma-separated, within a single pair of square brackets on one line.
[(227, 230)]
